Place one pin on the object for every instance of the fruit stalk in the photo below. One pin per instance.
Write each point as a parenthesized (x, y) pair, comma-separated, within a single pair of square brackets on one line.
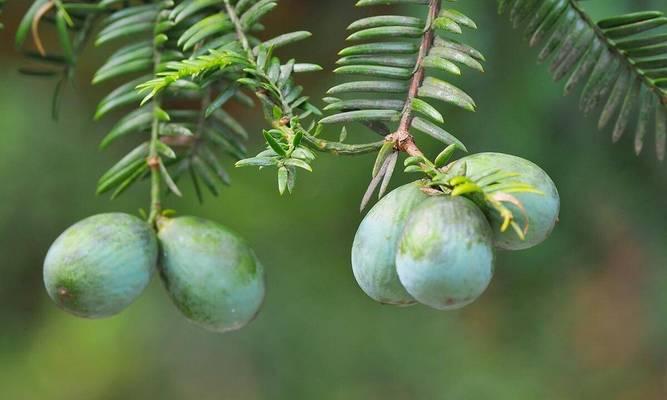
[(154, 161), (154, 165)]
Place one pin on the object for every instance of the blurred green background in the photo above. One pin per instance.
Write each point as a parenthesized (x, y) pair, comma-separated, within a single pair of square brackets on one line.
[(584, 316)]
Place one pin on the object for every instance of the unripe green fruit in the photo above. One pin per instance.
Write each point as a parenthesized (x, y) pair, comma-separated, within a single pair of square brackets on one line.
[(375, 244), (445, 255), (100, 265), (542, 209), (212, 276)]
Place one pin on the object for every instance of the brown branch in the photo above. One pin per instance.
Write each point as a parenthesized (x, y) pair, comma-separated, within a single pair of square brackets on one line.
[(402, 138)]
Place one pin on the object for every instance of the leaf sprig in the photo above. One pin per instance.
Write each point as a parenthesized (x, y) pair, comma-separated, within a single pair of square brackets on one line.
[(263, 74), (400, 61), (194, 40), (284, 152), (252, 65), (622, 59), (398, 65)]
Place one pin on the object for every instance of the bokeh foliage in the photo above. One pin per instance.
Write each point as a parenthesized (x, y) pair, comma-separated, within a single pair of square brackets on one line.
[(580, 317)]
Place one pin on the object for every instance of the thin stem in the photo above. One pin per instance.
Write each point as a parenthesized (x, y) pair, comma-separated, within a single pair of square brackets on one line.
[(245, 43), (338, 148), (240, 33), (154, 161), (402, 138)]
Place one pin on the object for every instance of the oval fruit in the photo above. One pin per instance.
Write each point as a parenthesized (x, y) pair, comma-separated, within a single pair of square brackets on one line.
[(212, 276), (542, 209), (375, 244), (100, 265), (445, 255)]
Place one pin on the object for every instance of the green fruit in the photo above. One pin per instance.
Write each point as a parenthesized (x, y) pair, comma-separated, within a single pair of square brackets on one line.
[(542, 209), (212, 276), (445, 255), (375, 244), (100, 265)]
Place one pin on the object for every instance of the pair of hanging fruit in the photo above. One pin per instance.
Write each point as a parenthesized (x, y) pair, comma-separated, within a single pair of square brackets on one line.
[(100, 265)]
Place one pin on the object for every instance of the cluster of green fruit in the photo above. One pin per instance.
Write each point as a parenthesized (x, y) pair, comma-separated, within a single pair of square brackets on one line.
[(413, 246), (438, 250), (100, 265)]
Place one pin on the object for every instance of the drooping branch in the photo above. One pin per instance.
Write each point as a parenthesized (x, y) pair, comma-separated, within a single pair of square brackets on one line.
[(402, 138), (619, 61), (393, 63), (646, 80)]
